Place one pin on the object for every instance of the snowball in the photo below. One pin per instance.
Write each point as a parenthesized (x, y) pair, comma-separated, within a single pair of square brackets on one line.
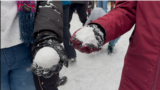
[(87, 36), (47, 57)]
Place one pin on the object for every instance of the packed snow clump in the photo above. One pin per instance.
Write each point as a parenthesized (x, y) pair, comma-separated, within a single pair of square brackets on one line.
[(46, 57), (87, 36)]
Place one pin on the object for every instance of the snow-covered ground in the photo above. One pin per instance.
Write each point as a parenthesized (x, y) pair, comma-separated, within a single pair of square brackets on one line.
[(96, 71)]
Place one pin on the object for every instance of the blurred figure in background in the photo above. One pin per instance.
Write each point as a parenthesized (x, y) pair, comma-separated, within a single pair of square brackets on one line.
[(113, 4), (90, 6), (103, 4)]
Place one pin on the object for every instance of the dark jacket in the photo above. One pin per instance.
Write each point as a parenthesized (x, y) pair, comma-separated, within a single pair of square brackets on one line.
[(48, 18), (141, 69), (79, 2)]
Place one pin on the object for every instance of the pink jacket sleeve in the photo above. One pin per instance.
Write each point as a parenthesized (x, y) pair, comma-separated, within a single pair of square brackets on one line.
[(119, 20)]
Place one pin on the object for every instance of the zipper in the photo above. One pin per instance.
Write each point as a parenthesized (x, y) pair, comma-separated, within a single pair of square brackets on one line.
[(157, 73), (40, 83)]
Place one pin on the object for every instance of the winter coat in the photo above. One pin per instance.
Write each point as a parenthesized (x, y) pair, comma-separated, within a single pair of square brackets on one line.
[(48, 19), (66, 2), (79, 2), (141, 69)]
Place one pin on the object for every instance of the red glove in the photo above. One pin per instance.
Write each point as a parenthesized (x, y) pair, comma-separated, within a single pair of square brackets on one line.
[(88, 39)]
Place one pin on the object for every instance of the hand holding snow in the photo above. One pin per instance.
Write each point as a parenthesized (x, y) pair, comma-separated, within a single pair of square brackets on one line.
[(46, 57), (88, 39), (87, 36)]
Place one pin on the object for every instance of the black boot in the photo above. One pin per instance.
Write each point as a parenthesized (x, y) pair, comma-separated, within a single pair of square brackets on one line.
[(62, 81), (110, 49), (72, 59)]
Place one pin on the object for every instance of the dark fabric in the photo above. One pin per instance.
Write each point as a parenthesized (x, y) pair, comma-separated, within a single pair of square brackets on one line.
[(70, 51), (42, 83), (141, 70), (81, 11), (48, 19), (113, 1), (52, 21), (79, 2)]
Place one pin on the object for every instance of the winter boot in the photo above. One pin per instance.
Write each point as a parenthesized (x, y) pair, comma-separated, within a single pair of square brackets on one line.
[(110, 50), (62, 81), (73, 59)]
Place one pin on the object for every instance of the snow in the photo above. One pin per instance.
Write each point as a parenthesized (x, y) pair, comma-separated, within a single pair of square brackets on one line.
[(96, 71), (87, 36), (52, 57)]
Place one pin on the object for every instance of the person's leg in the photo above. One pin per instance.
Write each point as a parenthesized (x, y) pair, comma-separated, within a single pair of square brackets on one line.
[(113, 42), (99, 4), (42, 83), (105, 3), (81, 10), (71, 53), (4, 73), (111, 45), (92, 4), (71, 11), (20, 76)]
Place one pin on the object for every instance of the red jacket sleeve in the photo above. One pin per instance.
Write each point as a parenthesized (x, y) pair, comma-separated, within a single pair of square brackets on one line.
[(119, 20)]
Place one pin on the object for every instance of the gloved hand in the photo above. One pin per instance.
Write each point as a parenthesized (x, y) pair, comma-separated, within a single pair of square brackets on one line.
[(48, 55), (88, 39)]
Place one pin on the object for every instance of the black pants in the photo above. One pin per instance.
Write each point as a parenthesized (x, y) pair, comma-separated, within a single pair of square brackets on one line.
[(81, 11), (71, 53), (46, 83), (42, 83)]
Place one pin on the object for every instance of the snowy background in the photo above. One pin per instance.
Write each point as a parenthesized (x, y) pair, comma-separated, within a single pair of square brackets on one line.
[(96, 71)]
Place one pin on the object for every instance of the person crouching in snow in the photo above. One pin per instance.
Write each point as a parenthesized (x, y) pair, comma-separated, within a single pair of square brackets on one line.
[(22, 24), (141, 69)]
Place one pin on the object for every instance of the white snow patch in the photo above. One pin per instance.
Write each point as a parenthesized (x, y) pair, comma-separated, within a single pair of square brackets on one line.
[(87, 36), (47, 57)]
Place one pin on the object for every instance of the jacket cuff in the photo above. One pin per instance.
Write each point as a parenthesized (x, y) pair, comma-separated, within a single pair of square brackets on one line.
[(47, 33)]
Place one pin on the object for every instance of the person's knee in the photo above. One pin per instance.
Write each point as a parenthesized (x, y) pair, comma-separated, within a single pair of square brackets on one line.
[(83, 20)]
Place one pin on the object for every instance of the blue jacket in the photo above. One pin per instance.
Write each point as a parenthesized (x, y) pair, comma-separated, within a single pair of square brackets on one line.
[(66, 2)]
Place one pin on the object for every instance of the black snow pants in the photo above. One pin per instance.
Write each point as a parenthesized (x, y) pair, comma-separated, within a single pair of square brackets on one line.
[(70, 51), (81, 11)]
